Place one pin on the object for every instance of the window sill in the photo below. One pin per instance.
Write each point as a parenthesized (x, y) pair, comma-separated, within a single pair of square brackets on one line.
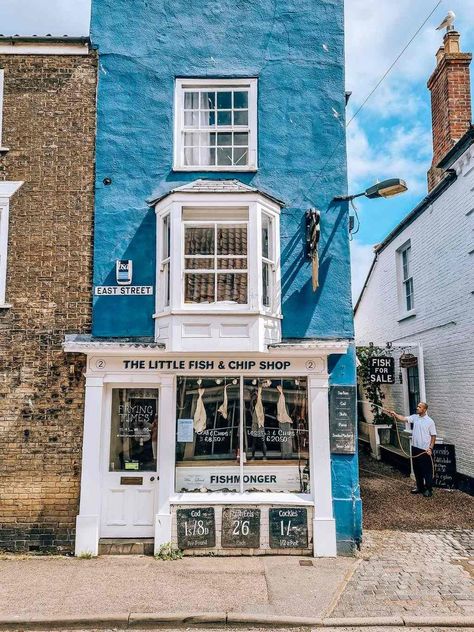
[(224, 169), (407, 315), (5, 305), (235, 498), (206, 311)]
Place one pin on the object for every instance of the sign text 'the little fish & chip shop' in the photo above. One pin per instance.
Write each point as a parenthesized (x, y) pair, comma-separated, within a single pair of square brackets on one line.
[(207, 365)]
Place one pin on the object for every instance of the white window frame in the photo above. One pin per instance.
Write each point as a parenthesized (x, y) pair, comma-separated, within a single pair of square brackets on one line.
[(7, 189), (403, 280), (2, 74), (254, 257), (181, 86)]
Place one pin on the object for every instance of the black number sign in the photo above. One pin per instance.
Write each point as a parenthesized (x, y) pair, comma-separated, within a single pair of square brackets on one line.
[(196, 528), (444, 457), (342, 419), (240, 528), (288, 528)]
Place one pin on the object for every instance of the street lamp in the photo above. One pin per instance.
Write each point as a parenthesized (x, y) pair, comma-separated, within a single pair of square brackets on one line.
[(386, 188)]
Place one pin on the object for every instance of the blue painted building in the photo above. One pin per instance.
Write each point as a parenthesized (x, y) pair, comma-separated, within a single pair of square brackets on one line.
[(217, 376)]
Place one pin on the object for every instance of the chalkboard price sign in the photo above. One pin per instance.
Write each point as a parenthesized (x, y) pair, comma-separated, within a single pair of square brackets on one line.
[(288, 528), (240, 528), (444, 457), (196, 528), (342, 419)]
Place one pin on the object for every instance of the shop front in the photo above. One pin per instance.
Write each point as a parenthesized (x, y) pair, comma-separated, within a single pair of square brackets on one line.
[(221, 453)]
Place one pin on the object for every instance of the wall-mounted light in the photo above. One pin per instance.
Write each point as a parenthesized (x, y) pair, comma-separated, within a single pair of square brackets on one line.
[(386, 188)]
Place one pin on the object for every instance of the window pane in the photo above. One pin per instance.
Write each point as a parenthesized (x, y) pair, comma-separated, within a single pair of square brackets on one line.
[(241, 118), (240, 155), (199, 288), (232, 240), (266, 281), (199, 240), (166, 278), (191, 119), (134, 429), (224, 139), (241, 138), (191, 139), (241, 99), (191, 100), (409, 294), (276, 430), (206, 455), (266, 232), (224, 156), (224, 118), (198, 263), (208, 156), (232, 264), (166, 237), (232, 287), (191, 156), (208, 119), (224, 100), (208, 100)]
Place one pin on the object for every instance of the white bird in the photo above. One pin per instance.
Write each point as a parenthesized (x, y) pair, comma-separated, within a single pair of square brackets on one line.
[(447, 22)]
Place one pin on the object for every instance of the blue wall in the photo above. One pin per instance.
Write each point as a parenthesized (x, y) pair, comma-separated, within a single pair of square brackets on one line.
[(295, 48), (143, 46)]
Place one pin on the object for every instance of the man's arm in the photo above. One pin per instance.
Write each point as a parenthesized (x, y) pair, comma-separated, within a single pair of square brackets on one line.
[(393, 414), (432, 442)]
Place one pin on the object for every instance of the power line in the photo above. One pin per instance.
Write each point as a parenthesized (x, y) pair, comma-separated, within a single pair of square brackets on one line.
[(379, 83)]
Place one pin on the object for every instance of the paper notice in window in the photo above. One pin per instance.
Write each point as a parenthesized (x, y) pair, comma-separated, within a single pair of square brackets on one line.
[(185, 431)]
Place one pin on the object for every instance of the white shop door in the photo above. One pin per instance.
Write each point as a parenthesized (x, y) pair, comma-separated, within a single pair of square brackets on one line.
[(130, 474)]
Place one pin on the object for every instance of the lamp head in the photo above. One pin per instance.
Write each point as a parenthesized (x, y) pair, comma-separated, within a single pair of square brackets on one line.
[(387, 188)]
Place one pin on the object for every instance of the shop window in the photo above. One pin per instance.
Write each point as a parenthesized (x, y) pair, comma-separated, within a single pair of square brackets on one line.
[(242, 434), (215, 124), (134, 429)]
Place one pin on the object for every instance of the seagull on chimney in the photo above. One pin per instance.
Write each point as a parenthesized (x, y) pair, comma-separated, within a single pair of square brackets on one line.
[(448, 21)]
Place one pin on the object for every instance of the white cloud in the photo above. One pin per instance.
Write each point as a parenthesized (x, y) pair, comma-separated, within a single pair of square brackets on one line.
[(362, 256)]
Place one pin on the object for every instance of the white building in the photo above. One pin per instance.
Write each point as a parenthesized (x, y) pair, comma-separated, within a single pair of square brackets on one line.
[(419, 294)]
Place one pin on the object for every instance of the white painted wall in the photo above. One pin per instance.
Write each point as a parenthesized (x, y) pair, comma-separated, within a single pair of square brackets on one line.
[(443, 322)]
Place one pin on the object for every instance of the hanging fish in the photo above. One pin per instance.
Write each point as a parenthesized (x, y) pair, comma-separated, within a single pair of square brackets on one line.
[(282, 413), (200, 417), (259, 411), (223, 407), (313, 233)]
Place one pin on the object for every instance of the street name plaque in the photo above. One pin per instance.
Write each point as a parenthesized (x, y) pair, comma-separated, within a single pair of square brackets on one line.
[(196, 528), (240, 528), (288, 528)]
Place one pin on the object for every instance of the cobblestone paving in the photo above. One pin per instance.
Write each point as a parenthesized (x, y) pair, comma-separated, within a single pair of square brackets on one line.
[(427, 573)]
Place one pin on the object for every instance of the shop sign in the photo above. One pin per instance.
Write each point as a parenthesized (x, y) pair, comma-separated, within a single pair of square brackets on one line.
[(240, 528), (444, 457), (342, 419), (214, 478), (382, 370), (408, 360), (196, 528), (288, 528)]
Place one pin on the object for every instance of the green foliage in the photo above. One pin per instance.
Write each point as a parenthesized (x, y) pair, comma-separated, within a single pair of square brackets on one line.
[(169, 551), (371, 391), (85, 555)]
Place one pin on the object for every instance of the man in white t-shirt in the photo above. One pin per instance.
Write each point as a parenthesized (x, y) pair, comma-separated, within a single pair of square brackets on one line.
[(422, 443)]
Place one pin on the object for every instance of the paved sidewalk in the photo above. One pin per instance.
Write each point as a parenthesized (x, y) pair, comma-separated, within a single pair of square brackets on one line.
[(396, 574)]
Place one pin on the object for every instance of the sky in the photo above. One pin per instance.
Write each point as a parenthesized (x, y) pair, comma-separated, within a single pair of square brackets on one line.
[(390, 137)]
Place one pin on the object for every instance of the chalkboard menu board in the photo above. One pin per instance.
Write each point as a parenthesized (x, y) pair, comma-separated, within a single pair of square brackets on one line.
[(444, 457), (240, 528), (288, 528), (196, 528), (342, 419)]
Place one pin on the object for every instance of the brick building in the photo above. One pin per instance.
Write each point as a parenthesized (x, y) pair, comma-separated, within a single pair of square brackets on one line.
[(419, 292), (46, 206)]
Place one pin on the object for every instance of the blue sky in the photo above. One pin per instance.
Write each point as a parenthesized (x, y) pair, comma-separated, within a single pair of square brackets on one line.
[(390, 137)]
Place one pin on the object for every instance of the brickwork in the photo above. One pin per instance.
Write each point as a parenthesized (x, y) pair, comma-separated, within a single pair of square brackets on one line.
[(450, 102), (49, 126), (443, 318)]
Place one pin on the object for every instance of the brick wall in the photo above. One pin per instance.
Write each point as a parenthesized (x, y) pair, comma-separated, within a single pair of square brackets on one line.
[(49, 125), (443, 322)]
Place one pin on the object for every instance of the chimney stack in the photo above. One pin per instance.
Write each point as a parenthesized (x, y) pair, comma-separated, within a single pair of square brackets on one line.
[(450, 101)]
